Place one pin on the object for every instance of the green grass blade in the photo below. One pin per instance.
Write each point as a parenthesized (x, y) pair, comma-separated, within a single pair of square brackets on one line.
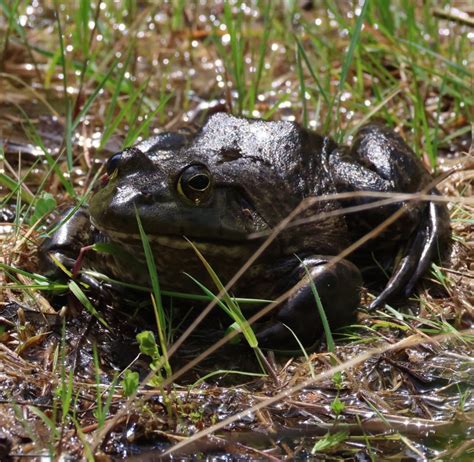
[(132, 135), (321, 311), (311, 70), (86, 303), (232, 306), (211, 295), (93, 96), (253, 90), (299, 69), (35, 137), (224, 372), (14, 186), (303, 350), (155, 284), (348, 58)]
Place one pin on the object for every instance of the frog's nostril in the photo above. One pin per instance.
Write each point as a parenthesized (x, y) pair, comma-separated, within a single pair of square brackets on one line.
[(146, 197)]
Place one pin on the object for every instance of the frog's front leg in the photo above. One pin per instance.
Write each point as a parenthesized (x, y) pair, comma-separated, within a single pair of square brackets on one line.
[(66, 243), (338, 286)]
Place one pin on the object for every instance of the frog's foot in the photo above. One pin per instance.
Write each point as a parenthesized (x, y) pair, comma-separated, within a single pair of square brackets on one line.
[(67, 248), (65, 243), (423, 248), (338, 287)]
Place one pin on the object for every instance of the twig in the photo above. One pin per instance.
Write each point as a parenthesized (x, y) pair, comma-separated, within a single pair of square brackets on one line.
[(455, 15)]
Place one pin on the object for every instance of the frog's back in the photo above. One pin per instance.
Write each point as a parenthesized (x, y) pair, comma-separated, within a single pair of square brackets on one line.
[(296, 155)]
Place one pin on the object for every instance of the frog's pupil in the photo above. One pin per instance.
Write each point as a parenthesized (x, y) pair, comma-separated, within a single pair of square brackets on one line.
[(199, 182)]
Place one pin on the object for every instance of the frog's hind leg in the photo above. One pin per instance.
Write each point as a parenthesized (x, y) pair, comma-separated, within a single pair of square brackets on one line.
[(437, 233), (425, 246), (379, 160), (383, 152)]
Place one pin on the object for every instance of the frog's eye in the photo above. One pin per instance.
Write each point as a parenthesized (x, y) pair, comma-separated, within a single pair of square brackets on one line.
[(113, 163), (195, 183)]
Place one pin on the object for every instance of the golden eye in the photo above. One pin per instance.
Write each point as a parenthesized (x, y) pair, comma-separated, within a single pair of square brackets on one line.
[(195, 183)]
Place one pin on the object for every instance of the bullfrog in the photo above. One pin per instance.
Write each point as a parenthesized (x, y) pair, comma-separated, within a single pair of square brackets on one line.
[(226, 186)]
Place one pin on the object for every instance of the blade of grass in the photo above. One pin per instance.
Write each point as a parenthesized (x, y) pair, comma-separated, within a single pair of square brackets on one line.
[(14, 186), (224, 372), (112, 127), (372, 112), (304, 55), (253, 89), (355, 36), (133, 134), (169, 293), (237, 61), (86, 303), (232, 310), (93, 96), (300, 73), (67, 99), (321, 311), (163, 327), (428, 51), (53, 163), (303, 350), (114, 102)]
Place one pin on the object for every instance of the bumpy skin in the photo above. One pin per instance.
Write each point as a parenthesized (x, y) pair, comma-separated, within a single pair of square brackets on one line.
[(236, 179)]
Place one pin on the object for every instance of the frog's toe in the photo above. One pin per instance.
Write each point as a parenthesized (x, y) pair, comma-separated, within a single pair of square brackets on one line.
[(423, 248), (275, 336), (403, 273), (437, 234), (290, 336)]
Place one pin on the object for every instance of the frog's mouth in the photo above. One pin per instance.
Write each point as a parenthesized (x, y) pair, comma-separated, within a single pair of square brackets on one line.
[(172, 241)]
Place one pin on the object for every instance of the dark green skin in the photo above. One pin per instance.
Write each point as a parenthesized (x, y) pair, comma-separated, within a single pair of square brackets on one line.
[(255, 174)]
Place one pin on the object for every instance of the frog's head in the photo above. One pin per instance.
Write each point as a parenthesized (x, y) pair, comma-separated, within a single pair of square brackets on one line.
[(232, 178)]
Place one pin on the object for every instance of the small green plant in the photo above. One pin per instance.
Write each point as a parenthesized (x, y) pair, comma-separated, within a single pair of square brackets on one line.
[(337, 406), (130, 382), (338, 379), (44, 205), (329, 441), (148, 346)]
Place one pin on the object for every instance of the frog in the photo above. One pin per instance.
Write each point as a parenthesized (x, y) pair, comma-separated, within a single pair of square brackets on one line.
[(226, 187)]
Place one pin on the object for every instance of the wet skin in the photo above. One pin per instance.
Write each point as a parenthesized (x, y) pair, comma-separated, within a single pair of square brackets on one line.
[(226, 186)]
